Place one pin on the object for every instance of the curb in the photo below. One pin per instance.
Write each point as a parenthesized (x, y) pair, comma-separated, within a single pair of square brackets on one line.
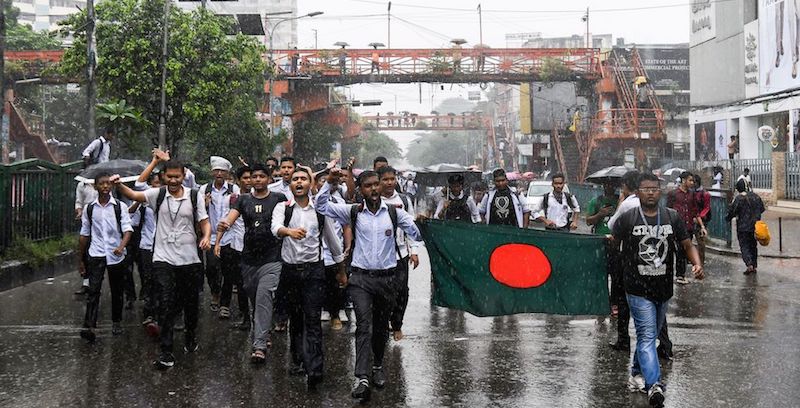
[(731, 252), (15, 274)]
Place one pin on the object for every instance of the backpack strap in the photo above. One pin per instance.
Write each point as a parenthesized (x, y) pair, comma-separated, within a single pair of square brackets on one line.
[(287, 214), (118, 215), (354, 210), (406, 202), (393, 216), (193, 198), (568, 196), (162, 194), (545, 203)]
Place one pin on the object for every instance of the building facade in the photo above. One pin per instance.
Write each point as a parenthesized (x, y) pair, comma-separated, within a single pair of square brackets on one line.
[(44, 15), (744, 78)]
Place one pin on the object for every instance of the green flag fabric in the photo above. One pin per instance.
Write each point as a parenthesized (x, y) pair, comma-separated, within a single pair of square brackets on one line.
[(494, 270)]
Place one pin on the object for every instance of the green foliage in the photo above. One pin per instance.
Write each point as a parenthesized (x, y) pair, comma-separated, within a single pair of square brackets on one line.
[(370, 145), (38, 253), (554, 70), (128, 122), (214, 81), (22, 37), (462, 147), (313, 139)]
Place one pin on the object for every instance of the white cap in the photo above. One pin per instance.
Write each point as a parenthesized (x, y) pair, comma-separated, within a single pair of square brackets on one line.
[(220, 163)]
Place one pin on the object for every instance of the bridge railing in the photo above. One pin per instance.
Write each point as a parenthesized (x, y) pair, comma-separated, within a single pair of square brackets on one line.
[(622, 123), (445, 61), (423, 122)]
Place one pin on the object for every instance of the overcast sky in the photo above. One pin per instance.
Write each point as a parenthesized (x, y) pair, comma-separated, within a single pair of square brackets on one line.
[(431, 24)]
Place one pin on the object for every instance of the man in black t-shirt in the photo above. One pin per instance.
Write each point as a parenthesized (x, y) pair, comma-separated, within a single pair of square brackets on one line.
[(502, 206), (261, 256), (649, 237)]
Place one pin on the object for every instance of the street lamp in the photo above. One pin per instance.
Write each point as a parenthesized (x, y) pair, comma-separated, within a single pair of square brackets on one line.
[(271, 32)]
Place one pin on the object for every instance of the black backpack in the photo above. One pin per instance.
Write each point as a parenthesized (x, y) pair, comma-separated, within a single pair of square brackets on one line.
[(458, 210), (94, 158), (567, 196), (320, 223)]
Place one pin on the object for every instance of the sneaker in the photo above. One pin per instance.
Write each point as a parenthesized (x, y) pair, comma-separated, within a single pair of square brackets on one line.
[(343, 316), (180, 325), (378, 377), (88, 335), (655, 396), (621, 345), (165, 361), (190, 346), (214, 303), (82, 291), (681, 280), (325, 316), (664, 354), (636, 383), (361, 390), (148, 320), (116, 328), (224, 313)]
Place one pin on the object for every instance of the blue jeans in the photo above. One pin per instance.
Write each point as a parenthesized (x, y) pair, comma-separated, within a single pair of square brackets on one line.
[(648, 319)]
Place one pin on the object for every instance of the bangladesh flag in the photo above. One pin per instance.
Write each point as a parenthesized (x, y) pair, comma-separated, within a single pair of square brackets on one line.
[(492, 270)]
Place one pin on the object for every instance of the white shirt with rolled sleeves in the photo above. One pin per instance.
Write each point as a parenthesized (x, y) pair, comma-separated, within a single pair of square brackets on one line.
[(99, 143), (182, 250), (374, 245), (630, 202), (474, 213), (407, 247), (558, 212), (148, 229), (85, 193), (104, 231), (219, 208), (306, 250)]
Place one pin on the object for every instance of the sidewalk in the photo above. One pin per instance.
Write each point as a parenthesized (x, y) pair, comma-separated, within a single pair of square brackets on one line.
[(791, 238)]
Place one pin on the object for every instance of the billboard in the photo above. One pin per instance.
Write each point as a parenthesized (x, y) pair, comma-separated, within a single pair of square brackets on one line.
[(667, 67), (751, 60), (704, 25), (778, 47), (704, 146), (721, 140)]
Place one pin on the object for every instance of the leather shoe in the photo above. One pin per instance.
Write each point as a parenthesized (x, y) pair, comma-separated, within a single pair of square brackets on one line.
[(313, 381), (378, 377), (82, 291), (361, 390), (621, 345)]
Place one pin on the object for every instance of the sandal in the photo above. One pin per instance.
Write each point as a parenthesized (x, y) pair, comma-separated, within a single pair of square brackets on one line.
[(258, 357), (224, 312), (214, 307), (280, 327)]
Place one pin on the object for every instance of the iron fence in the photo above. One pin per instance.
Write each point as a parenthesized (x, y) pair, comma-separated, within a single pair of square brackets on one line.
[(36, 200), (760, 171), (793, 176)]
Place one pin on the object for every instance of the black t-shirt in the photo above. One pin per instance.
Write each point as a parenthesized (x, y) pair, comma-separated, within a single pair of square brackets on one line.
[(260, 246), (501, 209), (648, 251), (458, 210)]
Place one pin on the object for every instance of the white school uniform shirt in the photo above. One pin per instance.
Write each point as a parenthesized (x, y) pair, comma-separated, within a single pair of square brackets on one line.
[(149, 227), (99, 143), (281, 187), (558, 212), (630, 202), (306, 250), (85, 193), (407, 247), (104, 232), (219, 207)]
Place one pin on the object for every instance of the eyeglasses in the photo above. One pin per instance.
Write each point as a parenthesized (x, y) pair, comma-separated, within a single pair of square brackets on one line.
[(650, 189)]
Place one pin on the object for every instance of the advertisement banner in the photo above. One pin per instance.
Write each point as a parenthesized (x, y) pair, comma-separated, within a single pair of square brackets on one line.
[(704, 141), (667, 67), (779, 49), (721, 139), (704, 25), (751, 60)]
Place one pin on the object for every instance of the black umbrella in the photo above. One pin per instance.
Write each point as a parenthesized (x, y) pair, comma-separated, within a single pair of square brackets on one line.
[(128, 170), (439, 178), (613, 173)]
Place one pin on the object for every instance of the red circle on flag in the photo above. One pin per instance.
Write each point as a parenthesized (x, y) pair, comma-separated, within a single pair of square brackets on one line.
[(519, 266)]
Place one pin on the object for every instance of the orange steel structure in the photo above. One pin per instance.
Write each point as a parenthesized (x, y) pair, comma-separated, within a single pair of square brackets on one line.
[(457, 65), (424, 122)]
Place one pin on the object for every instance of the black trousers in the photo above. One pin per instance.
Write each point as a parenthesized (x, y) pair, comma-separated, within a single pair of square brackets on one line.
[(213, 272), (615, 270), (179, 292), (401, 294), (749, 247), (130, 284), (96, 268), (150, 290), (335, 296), (304, 287), (373, 295), (231, 260), (681, 259)]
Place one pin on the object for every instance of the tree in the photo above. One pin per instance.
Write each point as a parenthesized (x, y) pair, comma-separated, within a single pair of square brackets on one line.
[(214, 81), (128, 122), (313, 139), (369, 146), (22, 36)]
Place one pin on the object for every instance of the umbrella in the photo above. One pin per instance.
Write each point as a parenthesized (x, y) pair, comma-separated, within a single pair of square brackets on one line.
[(528, 175), (481, 46), (376, 44), (341, 44), (129, 170), (513, 175), (673, 172), (608, 174), (458, 41)]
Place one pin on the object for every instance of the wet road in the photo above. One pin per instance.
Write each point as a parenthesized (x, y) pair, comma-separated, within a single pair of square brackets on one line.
[(736, 344)]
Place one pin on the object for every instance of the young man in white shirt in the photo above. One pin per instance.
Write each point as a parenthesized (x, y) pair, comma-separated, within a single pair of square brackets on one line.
[(105, 231), (143, 218), (560, 210), (502, 206), (176, 262), (408, 250), (232, 254), (99, 150), (455, 204), (217, 196), (303, 231)]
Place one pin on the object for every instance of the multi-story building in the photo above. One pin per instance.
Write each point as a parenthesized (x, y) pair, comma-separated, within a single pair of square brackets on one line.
[(44, 15), (255, 17)]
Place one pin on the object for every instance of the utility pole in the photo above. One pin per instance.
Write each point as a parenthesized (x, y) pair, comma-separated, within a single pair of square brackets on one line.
[(91, 50), (162, 122), (480, 23), (389, 26), (5, 121), (586, 19), (315, 38)]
